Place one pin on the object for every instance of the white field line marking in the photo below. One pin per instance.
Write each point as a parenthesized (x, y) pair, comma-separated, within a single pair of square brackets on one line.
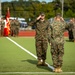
[(27, 51), (37, 73)]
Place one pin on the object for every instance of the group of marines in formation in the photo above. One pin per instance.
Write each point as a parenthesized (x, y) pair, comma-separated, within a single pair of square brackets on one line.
[(14, 27)]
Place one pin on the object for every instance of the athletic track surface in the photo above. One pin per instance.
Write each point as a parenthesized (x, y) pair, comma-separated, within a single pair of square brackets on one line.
[(31, 33)]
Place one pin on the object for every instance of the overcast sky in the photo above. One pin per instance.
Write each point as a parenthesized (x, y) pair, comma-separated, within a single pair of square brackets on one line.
[(39, 0)]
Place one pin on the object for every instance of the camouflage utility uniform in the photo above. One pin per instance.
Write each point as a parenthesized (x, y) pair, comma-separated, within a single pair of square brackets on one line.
[(57, 42), (71, 27), (70, 31), (17, 25), (2, 27), (73, 30), (12, 28), (42, 32)]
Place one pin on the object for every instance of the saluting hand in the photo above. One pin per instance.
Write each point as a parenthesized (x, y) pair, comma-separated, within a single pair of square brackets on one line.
[(38, 17)]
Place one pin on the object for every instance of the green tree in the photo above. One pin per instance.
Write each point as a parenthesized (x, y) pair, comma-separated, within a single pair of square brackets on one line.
[(69, 13)]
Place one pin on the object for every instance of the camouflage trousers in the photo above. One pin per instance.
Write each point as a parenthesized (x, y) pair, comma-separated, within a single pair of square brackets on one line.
[(74, 33), (41, 49), (70, 35), (0, 32), (57, 51), (16, 31)]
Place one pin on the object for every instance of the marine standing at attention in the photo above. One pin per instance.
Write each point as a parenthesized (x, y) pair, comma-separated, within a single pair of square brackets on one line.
[(57, 28)]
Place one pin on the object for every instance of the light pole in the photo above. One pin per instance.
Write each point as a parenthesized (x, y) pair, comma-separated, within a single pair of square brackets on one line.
[(0, 9), (62, 1)]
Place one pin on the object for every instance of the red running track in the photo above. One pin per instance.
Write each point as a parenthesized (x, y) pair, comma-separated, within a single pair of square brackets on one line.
[(31, 33)]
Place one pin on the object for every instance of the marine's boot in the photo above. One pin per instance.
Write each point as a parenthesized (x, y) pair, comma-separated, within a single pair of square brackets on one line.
[(40, 62), (57, 70), (44, 63)]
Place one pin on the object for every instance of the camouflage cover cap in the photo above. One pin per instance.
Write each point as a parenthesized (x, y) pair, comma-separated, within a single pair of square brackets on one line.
[(58, 14), (42, 14)]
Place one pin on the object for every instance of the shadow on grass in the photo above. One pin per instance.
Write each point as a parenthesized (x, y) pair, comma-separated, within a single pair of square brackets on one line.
[(34, 62), (69, 40)]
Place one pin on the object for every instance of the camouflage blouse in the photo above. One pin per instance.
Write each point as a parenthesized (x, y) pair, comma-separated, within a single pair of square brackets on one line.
[(57, 31), (42, 29)]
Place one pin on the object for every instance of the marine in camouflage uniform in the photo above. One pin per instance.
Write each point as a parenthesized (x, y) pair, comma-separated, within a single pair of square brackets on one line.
[(2, 26), (73, 29), (57, 28), (14, 27), (42, 33), (70, 30), (17, 25)]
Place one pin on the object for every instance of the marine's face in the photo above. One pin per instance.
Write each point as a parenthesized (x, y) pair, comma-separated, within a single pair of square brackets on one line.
[(42, 16), (58, 17)]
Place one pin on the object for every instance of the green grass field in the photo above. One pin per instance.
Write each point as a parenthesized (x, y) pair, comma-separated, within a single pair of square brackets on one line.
[(15, 61)]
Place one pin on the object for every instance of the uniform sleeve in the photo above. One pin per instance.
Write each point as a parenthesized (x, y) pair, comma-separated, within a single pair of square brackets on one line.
[(66, 25), (33, 22), (49, 33), (3, 23), (19, 24)]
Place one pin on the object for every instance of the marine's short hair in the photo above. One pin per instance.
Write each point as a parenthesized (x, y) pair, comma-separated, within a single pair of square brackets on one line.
[(58, 14), (42, 14)]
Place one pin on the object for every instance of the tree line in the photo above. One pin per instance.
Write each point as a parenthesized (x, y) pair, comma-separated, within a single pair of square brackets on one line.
[(30, 9)]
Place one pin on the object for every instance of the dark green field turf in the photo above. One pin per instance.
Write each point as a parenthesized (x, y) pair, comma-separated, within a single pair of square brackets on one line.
[(13, 59)]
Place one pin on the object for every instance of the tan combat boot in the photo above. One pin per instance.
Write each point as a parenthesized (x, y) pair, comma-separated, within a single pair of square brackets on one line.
[(44, 63), (40, 62), (57, 70)]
